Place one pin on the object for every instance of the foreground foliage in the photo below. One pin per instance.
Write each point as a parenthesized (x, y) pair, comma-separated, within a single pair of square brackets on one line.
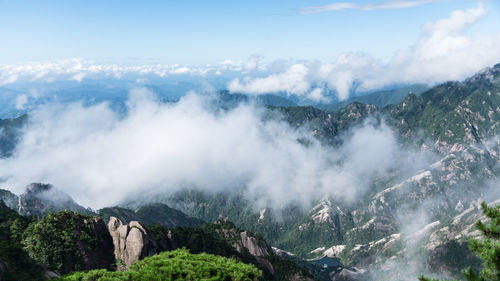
[(176, 265), (15, 263), (218, 239)]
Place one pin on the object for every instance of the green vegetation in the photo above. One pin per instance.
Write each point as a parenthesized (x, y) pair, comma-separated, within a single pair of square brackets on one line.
[(219, 239), (379, 98), (197, 240), (176, 265), (151, 213), (454, 112), (13, 258), (488, 248), (66, 241)]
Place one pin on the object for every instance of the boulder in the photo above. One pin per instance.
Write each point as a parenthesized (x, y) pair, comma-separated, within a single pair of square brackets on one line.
[(131, 242)]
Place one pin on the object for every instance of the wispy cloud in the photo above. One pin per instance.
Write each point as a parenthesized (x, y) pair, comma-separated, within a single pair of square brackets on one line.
[(386, 5)]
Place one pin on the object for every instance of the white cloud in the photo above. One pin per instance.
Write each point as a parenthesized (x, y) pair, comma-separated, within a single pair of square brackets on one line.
[(387, 5), (21, 101), (79, 69), (293, 80), (317, 95), (99, 158), (443, 52)]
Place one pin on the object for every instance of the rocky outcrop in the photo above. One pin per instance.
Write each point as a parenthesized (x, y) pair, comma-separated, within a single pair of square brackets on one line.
[(47, 273), (9, 198), (352, 274), (252, 245), (131, 242), (40, 199)]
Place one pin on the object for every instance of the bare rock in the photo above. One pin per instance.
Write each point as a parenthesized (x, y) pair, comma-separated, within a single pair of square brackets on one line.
[(253, 246), (352, 274), (47, 273), (131, 242)]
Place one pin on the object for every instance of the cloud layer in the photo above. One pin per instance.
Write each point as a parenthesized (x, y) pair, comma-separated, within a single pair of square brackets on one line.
[(443, 52), (77, 69), (99, 158)]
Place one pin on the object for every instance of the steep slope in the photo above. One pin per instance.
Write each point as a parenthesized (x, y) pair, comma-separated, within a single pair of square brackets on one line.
[(452, 113), (378, 98), (151, 213)]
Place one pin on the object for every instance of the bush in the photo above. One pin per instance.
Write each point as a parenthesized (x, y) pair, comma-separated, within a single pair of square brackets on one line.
[(176, 265)]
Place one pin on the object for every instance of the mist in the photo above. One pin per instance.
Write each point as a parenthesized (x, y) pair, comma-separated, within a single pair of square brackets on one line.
[(98, 156)]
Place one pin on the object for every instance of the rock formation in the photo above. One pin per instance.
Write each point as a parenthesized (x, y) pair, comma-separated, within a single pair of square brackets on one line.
[(40, 199), (352, 274), (252, 245), (131, 242)]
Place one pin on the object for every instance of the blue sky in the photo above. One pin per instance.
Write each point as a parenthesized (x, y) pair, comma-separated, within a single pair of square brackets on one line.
[(199, 32)]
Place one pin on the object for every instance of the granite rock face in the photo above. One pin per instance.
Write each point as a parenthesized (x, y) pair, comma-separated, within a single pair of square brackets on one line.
[(252, 245), (131, 242)]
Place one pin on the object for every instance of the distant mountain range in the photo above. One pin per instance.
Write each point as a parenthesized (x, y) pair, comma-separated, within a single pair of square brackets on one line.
[(378, 98)]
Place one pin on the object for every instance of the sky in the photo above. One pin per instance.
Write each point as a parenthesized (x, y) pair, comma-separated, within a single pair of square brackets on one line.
[(318, 50), (199, 32)]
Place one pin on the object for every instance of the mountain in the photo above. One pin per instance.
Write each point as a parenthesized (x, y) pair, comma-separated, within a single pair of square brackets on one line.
[(460, 113), (379, 98), (40, 199), (151, 213), (325, 126), (226, 99), (456, 122)]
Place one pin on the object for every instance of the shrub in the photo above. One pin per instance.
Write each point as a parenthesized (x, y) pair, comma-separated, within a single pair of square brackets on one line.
[(175, 265)]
